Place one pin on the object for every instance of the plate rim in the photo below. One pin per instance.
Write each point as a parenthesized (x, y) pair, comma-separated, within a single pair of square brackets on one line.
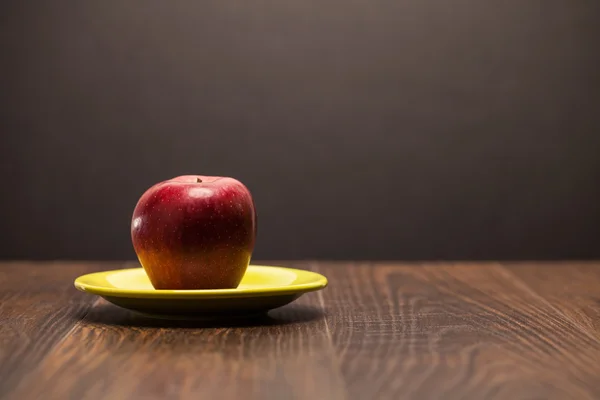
[(320, 282)]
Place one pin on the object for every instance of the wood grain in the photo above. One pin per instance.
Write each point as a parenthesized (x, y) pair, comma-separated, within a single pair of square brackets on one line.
[(379, 331), (38, 307), (457, 331)]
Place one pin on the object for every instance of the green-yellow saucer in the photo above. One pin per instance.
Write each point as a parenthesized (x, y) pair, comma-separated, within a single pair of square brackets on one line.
[(263, 288)]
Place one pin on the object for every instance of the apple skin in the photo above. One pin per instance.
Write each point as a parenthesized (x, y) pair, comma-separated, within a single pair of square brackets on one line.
[(195, 232)]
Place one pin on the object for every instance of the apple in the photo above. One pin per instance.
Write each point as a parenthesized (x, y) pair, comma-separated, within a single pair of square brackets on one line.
[(195, 232)]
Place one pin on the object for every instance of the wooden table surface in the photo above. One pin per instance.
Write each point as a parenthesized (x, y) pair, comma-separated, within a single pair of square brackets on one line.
[(379, 331)]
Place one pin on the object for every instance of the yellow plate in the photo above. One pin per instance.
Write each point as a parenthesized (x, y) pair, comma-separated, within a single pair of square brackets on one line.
[(263, 288)]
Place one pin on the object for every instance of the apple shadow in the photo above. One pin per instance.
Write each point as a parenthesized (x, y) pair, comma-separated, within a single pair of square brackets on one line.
[(111, 315)]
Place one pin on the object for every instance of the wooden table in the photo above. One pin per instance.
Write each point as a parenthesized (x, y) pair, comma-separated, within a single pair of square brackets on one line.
[(379, 331)]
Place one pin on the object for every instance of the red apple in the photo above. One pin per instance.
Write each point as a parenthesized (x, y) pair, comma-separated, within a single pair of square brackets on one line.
[(195, 232)]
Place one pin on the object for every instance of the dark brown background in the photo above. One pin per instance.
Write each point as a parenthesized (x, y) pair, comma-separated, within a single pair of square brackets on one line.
[(365, 129)]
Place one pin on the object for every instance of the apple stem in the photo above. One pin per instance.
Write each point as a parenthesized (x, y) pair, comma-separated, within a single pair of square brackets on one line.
[(198, 180)]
